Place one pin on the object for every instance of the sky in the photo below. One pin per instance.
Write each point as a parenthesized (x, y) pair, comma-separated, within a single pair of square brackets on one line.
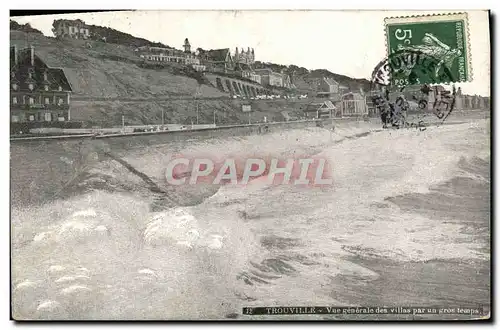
[(351, 43)]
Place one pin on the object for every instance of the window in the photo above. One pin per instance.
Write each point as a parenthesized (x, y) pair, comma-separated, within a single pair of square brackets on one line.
[(30, 86), (60, 101), (60, 88), (48, 116), (14, 86), (14, 100), (47, 100), (46, 88), (31, 118), (45, 77), (15, 119), (31, 100)]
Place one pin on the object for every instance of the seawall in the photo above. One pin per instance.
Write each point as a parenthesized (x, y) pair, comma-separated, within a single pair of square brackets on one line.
[(44, 168)]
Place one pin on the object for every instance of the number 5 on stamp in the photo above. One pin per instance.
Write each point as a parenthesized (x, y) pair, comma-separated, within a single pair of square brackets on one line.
[(442, 37)]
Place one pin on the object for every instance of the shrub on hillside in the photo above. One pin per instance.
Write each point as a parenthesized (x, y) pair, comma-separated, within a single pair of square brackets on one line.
[(24, 28), (118, 37), (118, 58)]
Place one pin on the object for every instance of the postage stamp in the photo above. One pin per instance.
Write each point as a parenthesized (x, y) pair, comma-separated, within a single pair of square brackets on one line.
[(442, 37), (397, 88)]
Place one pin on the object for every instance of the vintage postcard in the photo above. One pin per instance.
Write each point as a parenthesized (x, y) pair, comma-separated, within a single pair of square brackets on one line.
[(250, 165)]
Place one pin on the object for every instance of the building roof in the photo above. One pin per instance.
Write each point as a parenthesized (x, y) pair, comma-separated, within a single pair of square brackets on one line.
[(71, 21), (327, 105), (57, 78), (20, 73), (217, 55)]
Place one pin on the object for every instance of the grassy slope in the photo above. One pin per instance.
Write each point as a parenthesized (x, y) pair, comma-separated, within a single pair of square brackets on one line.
[(108, 82), (304, 82), (112, 71)]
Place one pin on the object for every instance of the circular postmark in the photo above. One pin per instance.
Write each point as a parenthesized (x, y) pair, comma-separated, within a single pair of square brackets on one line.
[(407, 82)]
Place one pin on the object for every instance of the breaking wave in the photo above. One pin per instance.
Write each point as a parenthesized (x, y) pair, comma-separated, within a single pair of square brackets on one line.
[(403, 197)]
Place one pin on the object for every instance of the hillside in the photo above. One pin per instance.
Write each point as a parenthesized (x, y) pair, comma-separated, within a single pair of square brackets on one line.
[(114, 72), (353, 83), (109, 70), (117, 37), (302, 77), (109, 80)]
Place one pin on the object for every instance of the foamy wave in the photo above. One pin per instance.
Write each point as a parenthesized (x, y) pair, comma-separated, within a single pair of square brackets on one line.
[(85, 213), (26, 284), (179, 227), (81, 225), (175, 226), (148, 275), (75, 289), (65, 279), (202, 249), (49, 306)]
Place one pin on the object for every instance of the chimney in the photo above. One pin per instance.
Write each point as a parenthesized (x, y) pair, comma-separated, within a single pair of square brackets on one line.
[(15, 54), (32, 55)]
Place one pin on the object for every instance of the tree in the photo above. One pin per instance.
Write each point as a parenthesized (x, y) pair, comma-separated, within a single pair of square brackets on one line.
[(25, 28)]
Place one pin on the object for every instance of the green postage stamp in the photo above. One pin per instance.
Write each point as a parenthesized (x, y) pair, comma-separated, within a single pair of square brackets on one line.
[(443, 38)]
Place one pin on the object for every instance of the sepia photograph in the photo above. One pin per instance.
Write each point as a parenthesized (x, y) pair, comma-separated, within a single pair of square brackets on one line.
[(250, 165)]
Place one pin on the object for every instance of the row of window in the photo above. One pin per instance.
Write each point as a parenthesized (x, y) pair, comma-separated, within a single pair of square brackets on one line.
[(165, 58), (31, 100), (74, 29), (174, 59), (32, 86), (40, 117)]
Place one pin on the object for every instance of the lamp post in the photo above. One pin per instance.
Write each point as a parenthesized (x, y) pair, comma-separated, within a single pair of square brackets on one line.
[(197, 113), (197, 104)]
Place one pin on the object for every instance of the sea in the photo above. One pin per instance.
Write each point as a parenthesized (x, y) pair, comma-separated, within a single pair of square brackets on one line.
[(406, 222)]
